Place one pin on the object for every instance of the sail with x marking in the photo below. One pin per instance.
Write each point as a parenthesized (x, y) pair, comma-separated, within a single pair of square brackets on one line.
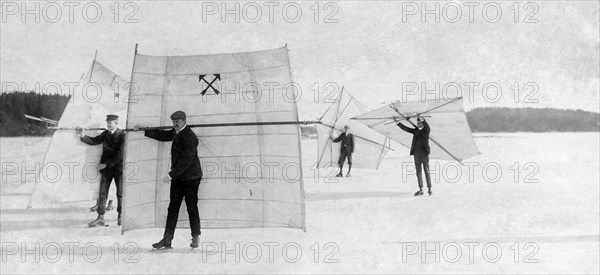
[(252, 171)]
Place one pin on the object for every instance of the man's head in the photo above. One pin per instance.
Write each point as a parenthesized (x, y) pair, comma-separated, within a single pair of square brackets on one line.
[(112, 121), (347, 128), (420, 123), (178, 119)]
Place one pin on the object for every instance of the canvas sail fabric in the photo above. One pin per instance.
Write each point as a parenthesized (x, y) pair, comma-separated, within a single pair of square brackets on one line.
[(370, 146), (252, 174), (69, 171), (450, 137), (103, 76)]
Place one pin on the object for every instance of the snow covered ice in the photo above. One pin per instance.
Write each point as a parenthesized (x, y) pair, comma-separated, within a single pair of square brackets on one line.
[(541, 212)]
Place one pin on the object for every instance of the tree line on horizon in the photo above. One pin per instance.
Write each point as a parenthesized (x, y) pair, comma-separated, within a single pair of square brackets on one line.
[(489, 119), (15, 104), (492, 119)]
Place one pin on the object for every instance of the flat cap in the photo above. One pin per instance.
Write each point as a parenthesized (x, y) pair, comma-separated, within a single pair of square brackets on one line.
[(178, 115), (112, 117)]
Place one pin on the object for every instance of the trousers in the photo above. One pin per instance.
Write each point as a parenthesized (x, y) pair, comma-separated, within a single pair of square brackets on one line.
[(343, 156), (422, 160), (106, 177), (181, 190)]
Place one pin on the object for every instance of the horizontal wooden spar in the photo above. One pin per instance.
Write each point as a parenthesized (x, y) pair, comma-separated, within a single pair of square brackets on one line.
[(233, 124), (357, 136), (204, 125), (72, 129), (392, 117)]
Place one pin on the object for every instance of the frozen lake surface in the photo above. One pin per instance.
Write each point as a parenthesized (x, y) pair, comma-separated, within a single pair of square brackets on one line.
[(529, 203)]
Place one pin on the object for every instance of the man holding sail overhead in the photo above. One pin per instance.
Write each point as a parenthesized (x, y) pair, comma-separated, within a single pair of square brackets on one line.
[(420, 150), (452, 140)]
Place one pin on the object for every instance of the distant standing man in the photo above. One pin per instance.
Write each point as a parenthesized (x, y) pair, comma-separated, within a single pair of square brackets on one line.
[(346, 149), (420, 150), (111, 164), (184, 176)]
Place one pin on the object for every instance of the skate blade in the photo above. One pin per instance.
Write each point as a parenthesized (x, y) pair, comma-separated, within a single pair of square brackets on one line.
[(154, 249), (93, 226)]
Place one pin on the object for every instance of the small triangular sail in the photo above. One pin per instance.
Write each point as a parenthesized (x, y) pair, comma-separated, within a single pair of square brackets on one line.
[(450, 136), (370, 146), (69, 172)]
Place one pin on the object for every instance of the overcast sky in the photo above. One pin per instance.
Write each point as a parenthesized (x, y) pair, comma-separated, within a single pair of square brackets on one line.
[(369, 50)]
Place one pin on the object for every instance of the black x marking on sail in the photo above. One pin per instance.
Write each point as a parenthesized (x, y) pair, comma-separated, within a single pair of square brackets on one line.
[(217, 76)]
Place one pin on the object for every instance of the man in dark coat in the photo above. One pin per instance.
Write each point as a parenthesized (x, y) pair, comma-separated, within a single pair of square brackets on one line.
[(420, 150), (346, 149), (184, 176), (111, 164)]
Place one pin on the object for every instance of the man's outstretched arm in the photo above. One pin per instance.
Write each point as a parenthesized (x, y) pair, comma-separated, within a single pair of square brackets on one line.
[(91, 140), (160, 135), (339, 138), (405, 128)]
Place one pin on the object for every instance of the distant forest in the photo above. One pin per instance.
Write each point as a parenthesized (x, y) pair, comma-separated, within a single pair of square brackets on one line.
[(14, 105), (532, 120)]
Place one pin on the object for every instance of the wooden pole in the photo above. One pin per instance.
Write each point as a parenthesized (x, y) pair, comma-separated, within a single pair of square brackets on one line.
[(205, 125), (93, 63)]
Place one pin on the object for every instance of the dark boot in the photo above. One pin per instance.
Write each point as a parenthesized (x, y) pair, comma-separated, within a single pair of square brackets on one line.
[(429, 192), (340, 174), (195, 241), (109, 206), (419, 193), (165, 242), (99, 221)]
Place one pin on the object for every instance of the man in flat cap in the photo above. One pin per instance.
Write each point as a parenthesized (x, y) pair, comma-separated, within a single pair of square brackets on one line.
[(419, 149), (184, 177), (346, 149), (110, 166)]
